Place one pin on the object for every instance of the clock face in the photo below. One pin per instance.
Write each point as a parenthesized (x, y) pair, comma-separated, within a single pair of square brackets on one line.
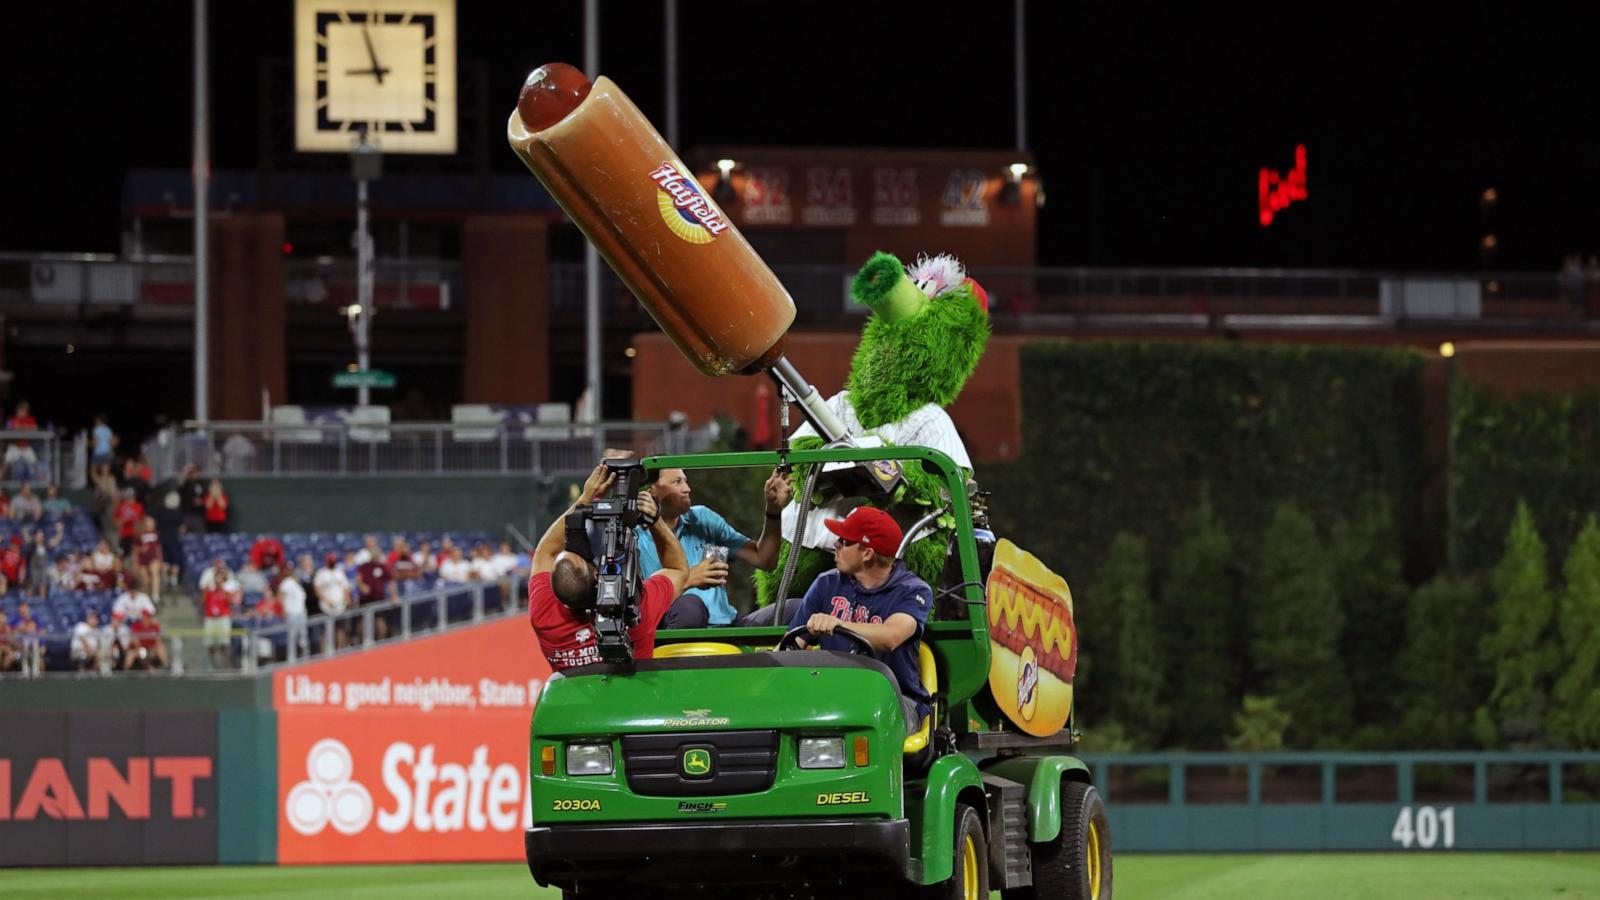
[(386, 65)]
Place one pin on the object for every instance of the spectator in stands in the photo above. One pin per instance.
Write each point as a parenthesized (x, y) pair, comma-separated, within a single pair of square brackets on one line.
[(133, 479), (147, 556), (8, 645), (55, 532), (305, 571), (134, 602), (252, 579), (505, 561), (401, 565), (13, 560), (292, 606), (375, 584), (427, 562), (397, 548), (333, 592), (104, 443), (166, 509), (369, 550), (86, 640), (216, 508), (64, 576), (238, 454), (482, 563), (705, 600), (38, 567), (20, 460), (128, 514), (55, 505), (267, 554), (456, 569), (268, 610), (218, 603), (5, 505), (193, 488), (218, 570), (26, 630), (25, 506), (146, 649)]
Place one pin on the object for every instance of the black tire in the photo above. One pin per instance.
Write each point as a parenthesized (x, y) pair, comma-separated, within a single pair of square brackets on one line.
[(969, 872), (1077, 864)]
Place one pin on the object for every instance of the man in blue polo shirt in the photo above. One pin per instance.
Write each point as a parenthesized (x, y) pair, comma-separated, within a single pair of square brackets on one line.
[(876, 596), (705, 600)]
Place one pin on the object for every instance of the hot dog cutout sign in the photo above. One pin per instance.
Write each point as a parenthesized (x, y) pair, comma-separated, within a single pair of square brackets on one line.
[(1032, 639)]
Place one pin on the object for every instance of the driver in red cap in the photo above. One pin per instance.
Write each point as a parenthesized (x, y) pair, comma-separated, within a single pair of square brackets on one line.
[(875, 596)]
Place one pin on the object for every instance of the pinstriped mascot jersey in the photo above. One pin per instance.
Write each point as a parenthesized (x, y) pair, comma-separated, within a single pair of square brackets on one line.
[(927, 331)]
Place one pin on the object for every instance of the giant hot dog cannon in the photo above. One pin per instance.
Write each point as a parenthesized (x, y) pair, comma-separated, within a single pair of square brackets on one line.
[(659, 230)]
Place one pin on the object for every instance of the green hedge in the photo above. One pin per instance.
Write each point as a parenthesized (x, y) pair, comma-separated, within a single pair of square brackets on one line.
[(1124, 436), (1543, 448)]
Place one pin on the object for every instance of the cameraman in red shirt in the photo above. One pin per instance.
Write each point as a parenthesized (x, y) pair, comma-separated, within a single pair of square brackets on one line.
[(561, 593)]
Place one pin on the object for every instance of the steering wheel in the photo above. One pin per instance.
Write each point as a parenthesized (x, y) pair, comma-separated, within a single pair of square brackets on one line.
[(859, 645)]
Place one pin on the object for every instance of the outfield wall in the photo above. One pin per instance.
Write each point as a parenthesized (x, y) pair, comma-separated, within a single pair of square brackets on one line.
[(417, 751)]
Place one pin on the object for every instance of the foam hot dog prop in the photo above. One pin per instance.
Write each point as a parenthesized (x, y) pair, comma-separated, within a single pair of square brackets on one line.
[(1032, 639), (653, 222)]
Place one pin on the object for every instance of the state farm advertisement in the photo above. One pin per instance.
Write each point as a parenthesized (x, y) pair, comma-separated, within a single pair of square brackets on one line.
[(412, 752)]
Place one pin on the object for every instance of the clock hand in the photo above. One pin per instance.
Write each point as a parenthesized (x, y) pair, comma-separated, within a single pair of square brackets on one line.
[(377, 70)]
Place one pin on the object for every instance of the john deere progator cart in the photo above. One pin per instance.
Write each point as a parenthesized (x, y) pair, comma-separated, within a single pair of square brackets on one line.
[(735, 764)]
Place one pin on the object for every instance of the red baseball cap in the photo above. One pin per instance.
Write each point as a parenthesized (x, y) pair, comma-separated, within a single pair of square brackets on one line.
[(870, 526)]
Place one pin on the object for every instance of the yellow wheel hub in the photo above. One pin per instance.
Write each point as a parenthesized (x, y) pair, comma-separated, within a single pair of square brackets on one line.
[(969, 869), (1093, 852)]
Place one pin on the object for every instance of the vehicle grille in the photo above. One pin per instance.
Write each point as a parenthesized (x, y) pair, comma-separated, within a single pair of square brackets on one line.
[(742, 762)]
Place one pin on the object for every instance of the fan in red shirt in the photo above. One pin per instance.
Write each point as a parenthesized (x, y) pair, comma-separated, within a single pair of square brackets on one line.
[(561, 593), (267, 553), (11, 560), (128, 514)]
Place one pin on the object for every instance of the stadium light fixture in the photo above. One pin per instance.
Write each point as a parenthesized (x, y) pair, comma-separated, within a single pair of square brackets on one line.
[(723, 193)]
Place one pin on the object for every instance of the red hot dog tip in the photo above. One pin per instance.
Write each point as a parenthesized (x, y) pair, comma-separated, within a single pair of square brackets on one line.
[(551, 92)]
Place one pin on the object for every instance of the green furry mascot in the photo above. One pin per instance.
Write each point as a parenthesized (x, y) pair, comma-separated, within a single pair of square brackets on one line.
[(928, 328)]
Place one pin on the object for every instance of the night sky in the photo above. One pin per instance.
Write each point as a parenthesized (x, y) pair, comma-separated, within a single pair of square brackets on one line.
[(1148, 126)]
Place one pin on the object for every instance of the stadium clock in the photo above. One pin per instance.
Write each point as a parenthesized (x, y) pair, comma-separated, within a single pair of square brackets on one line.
[(389, 65)]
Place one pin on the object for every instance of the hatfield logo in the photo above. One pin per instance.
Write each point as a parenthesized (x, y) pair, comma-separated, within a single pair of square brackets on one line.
[(329, 796), (48, 792), (688, 212)]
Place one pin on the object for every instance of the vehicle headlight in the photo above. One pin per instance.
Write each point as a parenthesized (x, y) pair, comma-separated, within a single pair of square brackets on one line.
[(588, 759), (822, 753)]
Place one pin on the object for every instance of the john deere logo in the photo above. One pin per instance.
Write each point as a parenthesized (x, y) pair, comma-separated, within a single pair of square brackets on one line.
[(696, 762)]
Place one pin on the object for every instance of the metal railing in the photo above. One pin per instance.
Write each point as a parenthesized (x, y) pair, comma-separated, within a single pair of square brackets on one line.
[(1183, 296), (74, 278), (254, 646), (397, 284), (1430, 800), (426, 613), (435, 448)]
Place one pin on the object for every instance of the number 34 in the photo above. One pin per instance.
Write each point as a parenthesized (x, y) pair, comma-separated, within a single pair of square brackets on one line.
[(1427, 829)]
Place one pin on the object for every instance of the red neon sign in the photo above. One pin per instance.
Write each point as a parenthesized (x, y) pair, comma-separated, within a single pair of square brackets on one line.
[(1274, 192)]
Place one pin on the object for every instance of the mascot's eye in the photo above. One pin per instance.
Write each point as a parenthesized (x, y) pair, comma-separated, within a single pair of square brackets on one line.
[(928, 286)]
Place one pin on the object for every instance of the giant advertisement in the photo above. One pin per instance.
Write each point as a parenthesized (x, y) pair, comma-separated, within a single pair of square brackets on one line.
[(412, 752), (108, 787)]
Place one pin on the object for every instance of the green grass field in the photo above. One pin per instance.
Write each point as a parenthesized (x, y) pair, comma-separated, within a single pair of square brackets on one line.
[(1465, 876)]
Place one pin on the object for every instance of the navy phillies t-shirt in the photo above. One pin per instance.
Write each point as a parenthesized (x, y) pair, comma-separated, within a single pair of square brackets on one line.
[(843, 596)]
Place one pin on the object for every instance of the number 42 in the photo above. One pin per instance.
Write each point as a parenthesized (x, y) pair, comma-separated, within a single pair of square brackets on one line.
[(1429, 823)]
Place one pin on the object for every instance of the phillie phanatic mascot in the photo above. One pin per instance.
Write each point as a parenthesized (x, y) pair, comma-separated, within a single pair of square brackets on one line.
[(928, 328)]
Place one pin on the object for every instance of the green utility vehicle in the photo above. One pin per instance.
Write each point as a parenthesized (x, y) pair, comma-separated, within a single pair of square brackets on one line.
[(734, 764)]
